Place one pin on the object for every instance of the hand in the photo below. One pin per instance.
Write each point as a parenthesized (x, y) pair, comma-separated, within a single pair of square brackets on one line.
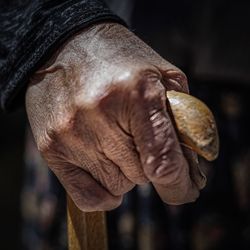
[(98, 114)]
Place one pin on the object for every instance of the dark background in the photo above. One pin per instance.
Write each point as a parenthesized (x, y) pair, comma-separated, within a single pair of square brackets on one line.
[(12, 133)]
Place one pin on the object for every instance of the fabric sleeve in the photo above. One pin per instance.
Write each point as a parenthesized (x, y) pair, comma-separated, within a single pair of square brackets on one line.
[(30, 31)]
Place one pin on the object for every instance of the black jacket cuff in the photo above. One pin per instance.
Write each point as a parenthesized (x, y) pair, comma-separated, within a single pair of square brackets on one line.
[(38, 31)]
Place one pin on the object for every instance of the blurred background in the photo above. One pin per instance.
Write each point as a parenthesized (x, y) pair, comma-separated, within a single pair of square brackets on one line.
[(209, 40)]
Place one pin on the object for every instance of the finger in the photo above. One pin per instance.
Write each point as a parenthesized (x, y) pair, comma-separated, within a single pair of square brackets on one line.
[(123, 153), (161, 156), (84, 190), (117, 142), (196, 174), (187, 189), (119, 148), (83, 149)]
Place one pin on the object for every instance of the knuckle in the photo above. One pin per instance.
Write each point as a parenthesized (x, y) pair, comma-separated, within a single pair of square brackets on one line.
[(164, 165), (148, 85), (45, 141), (136, 75), (167, 173), (175, 79), (51, 146), (57, 126), (171, 177), (66, 122)]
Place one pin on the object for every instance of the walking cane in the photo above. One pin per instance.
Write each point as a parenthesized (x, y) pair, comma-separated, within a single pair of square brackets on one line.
[(86, 231), (197, 130)]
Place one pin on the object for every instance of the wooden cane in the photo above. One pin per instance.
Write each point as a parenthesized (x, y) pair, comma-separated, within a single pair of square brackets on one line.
[(197, 130), (86, 231)]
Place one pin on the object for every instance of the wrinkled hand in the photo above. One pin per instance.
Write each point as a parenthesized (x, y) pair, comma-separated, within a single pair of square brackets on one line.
[(98, 114)]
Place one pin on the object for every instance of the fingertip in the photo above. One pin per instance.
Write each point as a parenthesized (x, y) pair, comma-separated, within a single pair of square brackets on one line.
[(177, 187), (99, 204), (179, 194)]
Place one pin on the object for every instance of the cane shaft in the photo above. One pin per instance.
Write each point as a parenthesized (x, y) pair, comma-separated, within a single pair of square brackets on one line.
[(86, 231)]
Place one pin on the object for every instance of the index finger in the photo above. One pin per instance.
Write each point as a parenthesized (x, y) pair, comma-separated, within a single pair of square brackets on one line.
[(160, 153)]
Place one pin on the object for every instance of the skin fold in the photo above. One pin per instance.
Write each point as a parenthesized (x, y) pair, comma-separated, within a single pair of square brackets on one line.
[(98, 113)]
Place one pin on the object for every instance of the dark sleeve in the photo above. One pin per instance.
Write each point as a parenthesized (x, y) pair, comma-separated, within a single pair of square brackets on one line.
[(29, 33)]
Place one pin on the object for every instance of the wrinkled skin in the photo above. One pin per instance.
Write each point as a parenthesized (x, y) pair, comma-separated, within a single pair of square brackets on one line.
[(98, 114)]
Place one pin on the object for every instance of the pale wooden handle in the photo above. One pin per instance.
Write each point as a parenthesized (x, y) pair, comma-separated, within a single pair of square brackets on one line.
[(195, 124), (86, 231)]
